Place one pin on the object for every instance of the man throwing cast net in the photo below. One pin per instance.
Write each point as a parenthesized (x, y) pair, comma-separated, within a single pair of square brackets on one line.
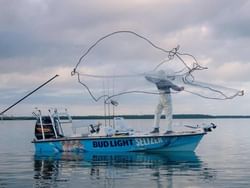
[(107, 71), (163, 84)]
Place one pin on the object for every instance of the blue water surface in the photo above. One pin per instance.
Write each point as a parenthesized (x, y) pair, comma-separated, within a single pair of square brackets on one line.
[(221, 160)]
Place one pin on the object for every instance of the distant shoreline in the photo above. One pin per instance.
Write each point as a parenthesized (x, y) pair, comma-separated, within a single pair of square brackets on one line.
[(175, 116)]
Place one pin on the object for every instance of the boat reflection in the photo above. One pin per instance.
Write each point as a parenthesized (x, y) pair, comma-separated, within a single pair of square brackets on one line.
[(58, 169)]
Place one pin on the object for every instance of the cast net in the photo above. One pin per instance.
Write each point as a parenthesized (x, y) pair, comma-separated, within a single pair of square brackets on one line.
[(119, 64)]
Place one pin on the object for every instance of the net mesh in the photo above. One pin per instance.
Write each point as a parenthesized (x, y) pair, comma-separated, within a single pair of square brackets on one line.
[(120, 66)]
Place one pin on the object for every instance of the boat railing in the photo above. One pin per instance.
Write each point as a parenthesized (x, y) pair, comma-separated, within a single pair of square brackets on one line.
[(62, 117), (52, 121)]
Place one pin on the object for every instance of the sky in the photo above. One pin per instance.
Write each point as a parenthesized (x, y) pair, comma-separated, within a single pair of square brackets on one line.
[(41, 38)]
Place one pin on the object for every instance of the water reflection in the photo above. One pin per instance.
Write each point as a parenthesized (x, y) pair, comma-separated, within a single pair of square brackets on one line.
[(112, 170)]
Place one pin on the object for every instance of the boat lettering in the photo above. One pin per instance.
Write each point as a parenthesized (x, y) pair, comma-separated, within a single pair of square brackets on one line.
[(147, 141), (112, 143)]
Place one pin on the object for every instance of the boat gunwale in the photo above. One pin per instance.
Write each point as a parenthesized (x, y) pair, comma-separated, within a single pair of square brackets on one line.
[(186, 134)]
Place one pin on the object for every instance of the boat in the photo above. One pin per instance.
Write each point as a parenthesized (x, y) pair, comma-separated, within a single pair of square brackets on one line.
[(49, 137)]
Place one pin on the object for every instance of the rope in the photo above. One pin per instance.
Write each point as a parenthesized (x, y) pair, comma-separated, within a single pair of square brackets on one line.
[(239, 93), (187, 76)]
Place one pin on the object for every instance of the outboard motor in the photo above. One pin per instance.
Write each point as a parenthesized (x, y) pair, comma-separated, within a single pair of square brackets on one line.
[(45, 128), (50, 126)]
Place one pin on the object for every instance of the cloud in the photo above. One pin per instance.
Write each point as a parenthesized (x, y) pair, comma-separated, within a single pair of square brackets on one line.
[(231, 22), (234, 71), (40, 38)]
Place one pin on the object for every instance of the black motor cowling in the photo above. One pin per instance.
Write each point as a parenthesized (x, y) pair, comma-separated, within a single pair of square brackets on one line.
[(47, 128)]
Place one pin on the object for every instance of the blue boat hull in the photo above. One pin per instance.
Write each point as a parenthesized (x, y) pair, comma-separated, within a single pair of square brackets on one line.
[(178, 142)]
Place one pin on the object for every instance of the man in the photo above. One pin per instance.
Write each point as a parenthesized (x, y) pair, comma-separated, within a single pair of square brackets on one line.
[(163, 84)]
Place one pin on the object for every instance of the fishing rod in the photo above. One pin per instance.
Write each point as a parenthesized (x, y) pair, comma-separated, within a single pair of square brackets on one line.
[(45, 83)]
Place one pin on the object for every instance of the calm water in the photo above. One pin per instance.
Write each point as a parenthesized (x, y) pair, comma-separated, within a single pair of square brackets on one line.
[(221, 160)]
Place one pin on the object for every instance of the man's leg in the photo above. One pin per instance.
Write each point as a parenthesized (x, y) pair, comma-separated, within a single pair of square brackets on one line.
[(168, 112), (157, 118)]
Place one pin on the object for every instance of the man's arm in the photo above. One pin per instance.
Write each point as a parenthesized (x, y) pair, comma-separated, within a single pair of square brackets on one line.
[(151, 79), (176, 88)]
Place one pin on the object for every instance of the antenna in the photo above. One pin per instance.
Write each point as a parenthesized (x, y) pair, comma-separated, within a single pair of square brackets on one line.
[(112, 102), (104, 102)]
